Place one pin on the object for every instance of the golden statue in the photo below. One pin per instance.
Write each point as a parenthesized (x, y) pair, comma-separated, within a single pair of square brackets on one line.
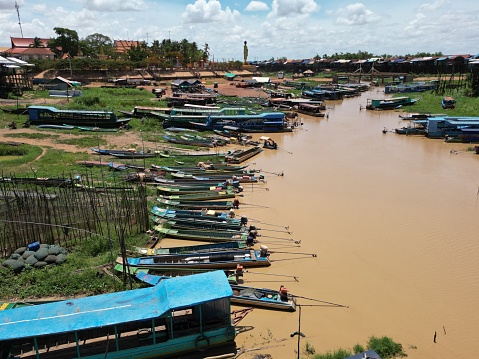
[(245, 52)]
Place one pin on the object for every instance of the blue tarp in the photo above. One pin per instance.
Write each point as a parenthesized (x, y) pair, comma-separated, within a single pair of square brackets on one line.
[(113, 308)]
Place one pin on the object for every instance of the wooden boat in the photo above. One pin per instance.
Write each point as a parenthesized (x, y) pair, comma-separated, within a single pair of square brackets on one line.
[(57, 127), (410, 131), (242, 155), (153, 276), (202, 235), (134, 155), (197, 224), (173, 190), (164, 320), (48, 115), (210, 247), (191, 142), (100, 163), (390, 103), (197, 204), (263, 298), (311, 109), (96, 129), (203, 213), (218, 260), (181, 183), (203, 196), (448, 102)]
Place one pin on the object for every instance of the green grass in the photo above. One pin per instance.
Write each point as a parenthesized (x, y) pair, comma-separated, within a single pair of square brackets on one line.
[(84, 141), (35, 136), (431, 103), (15, 157)]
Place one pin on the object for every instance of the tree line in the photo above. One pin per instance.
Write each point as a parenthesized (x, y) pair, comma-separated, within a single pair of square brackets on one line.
[(166, 53)]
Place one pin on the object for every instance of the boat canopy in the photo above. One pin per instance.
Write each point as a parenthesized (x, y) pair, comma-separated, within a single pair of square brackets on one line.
[(114, 308)]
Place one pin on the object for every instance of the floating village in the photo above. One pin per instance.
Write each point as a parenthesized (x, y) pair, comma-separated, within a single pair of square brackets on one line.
[(187, 299)]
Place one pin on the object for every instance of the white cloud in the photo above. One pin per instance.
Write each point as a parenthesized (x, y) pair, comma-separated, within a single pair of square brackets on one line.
[(293, 8), (433, 5), (114, 5), (356, 14), (204, 11), (257, 6)]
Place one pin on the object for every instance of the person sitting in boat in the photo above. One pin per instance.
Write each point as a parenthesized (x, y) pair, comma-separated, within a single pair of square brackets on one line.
[(283, 293), (236, 203), (239, 270), (244, 220)]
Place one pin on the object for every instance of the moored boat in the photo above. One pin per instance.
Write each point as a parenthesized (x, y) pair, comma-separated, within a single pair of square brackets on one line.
[(263, 298), (204, 260), (48, 115), (129, 324), (390, 103), (202, 235)]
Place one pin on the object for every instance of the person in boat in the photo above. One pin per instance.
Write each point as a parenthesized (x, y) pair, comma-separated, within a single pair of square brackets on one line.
[(250, 241), (283, 293), (244, 220), (236, 203), (231, 213)]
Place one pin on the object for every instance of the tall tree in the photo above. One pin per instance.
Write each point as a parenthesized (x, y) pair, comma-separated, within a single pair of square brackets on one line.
[(94, 44), (67, 42)]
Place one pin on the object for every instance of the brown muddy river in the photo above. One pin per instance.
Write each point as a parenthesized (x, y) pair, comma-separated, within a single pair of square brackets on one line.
[(394, 223)]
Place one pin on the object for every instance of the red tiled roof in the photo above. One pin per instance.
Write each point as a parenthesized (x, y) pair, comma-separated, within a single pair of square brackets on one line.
[(31, 51), (26, 41)]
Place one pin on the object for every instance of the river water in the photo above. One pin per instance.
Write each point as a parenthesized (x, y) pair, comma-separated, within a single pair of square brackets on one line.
[(393, 221)]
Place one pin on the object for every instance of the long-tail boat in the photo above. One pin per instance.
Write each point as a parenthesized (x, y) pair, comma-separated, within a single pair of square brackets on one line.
[(263, 298), (197, 204), (201, 260), (202, 196), (194, 223), (210, 247), (202, 235)]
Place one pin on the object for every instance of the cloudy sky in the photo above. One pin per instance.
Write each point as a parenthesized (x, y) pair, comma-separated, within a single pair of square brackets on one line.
[(296, 29)]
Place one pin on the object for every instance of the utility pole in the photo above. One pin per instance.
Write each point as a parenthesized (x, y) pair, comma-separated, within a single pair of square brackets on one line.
[(18, 14)]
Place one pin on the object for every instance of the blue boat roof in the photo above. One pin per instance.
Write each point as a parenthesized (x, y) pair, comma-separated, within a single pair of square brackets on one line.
[(113, 308)]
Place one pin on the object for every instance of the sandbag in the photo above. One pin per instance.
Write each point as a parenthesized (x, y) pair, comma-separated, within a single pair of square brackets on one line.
[(41, 254), (61, 258), (9, 263), (19, 265), (20, 250), (27, 254), (50, 259), (54, 250), (31, 260), (15, 256), (40, 264)]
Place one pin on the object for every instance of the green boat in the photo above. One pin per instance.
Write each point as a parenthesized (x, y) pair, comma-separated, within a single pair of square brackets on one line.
[(204, 196), (202, 235)]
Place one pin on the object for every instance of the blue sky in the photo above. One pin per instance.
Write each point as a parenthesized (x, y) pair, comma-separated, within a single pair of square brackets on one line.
[(296, 29)]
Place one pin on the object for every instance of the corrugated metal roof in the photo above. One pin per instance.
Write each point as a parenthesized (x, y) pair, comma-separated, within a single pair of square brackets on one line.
[(113, 308)]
